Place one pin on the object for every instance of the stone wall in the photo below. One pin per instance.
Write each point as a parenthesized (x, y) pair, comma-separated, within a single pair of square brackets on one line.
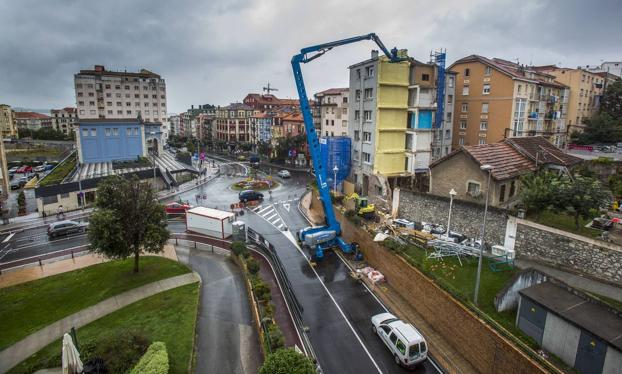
[(569, 251), (485, 349), (466, 217)]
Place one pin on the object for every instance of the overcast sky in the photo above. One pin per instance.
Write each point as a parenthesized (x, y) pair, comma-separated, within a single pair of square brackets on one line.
[(216, 51)]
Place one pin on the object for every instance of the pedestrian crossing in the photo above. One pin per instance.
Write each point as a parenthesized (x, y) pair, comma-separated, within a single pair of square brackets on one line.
[(270, 214)]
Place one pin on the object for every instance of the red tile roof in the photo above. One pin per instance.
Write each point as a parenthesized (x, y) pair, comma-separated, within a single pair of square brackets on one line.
[(30, 115), (540, 150), (294, 117), (506, 161), (333, 91)]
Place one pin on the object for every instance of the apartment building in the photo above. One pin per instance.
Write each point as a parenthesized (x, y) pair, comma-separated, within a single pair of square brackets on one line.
[(377, 123), (64, 120), (442, 133), (8, 126), (233, 123), (496, 99), (611, 67), (268, 102), (586, 89), (32, 121), (175, 125), (332, 106), (102, 93)]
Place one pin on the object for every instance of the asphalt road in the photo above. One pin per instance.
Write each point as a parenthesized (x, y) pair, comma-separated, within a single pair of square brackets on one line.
[(336, 308)]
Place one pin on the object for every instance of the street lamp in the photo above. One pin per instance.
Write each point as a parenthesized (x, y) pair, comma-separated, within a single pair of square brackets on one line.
[(487, 168), (335, 170), (452, 193)]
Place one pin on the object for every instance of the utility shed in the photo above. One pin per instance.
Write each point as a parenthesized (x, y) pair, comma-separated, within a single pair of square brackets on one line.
[(583, 332), (211, 222)]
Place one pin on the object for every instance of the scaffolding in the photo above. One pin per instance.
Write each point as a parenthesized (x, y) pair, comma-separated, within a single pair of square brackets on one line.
[(444, 248)]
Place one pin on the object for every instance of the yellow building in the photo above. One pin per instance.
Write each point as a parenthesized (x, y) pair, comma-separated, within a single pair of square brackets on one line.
[(8, 128), (586, 89)]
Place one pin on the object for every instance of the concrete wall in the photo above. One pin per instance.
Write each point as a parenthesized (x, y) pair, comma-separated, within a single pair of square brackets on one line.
[(561, 338), (507, 298), (110, 142), (485, 349), (574, 252), (466, 218), (613, 362)]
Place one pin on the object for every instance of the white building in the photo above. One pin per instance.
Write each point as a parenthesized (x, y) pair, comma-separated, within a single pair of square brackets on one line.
[(611, 67), (119, 95), (333, 108), (64, 120)]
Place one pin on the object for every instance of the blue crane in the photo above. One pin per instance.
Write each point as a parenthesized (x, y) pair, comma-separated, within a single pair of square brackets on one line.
[(328, 236)]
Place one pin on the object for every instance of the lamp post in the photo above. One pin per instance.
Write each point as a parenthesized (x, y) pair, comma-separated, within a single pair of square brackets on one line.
[(487, 168), (335, 170), (452, 193)]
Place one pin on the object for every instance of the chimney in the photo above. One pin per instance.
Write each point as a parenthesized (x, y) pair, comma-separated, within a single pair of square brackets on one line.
[(192, 106), (374, 54)]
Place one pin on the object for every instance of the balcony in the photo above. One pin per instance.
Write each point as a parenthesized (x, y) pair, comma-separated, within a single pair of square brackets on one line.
[(533, 115)]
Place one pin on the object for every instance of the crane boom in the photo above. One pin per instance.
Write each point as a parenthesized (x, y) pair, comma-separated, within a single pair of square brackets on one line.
[(326, 236)]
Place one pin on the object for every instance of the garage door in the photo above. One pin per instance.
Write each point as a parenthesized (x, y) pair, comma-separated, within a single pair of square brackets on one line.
[(590, 354), (532, 319)]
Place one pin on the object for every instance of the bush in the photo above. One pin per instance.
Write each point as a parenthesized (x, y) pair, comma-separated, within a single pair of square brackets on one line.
[(287, 361), (392, 244), (154, 361), (276, 339), (239, 248), (262, 291), (21, 201), (119, 352), (252, 265)]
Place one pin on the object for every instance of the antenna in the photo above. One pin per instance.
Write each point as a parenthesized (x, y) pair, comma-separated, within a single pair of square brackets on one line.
[(268, 89)]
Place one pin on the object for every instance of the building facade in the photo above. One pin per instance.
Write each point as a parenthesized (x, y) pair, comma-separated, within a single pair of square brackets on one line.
[(8, 125), (101, 93), (586, 89), (64, 120), (332, 107), (110, 140), (443, 135), (233, 123), (496, 99), (174, 122), (32, 121), (268, 102), (611, 67)]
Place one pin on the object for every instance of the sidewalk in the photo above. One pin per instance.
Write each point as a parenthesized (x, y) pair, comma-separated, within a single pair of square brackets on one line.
[(30, 345), (26, 274), (574, 280)]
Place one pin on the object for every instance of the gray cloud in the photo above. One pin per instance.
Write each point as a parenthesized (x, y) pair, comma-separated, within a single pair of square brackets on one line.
[(216, 51)]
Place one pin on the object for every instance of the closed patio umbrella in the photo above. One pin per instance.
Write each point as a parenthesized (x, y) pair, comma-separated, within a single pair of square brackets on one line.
[(71, 357)]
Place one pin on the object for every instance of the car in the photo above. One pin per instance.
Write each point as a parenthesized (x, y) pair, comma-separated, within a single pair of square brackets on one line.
[(284, 174), (177, 208), (406, 344), (13, 170), (602, 223), (15, 184), (66, 227), (24, 169), (39, 169), (250, 195)]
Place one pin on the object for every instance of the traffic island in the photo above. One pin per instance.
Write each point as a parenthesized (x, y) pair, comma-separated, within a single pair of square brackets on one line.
[(255, 185)]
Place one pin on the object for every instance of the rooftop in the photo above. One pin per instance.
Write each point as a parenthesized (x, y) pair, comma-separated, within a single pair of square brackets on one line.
[(581, 311), (30, 115), (212, 213), (101, 70), (333, 91), (541, 151)]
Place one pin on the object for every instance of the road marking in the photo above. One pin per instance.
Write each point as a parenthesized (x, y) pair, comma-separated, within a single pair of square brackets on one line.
[(264, 209), (257, 208), (281, 226), (275, 221), (272, 216), (286, 206)]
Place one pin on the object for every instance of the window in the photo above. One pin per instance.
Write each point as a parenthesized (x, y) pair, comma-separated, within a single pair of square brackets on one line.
[(512, 188), (136, 103), (448, 116), (400, 347), (483, 126), (154, 96), (482, 141), (92, 111), (367, 115), (135, 131), (127, 87), (109, 112), (461, 141), (465, 91), (93, 132), (136, 87), (520, 86), (91, 94), (145, 96), (90, 85), (117, 95), (473, 189), (127, 95), (487, 70), (115, 131), (425, 77), (128, 131), (80, 102), (81, 111), (107, 131), (502, 193), (345, 100), (463, 125), (484, 107), (85, 132), (119, 112), (357, 135), (368, 93), (467, 72), (108, 94), (357, 95), (136, 96), (80, 94), (326, 133), (366, 136), (79, 85), (50, 199), (450, 99), (450, 82), (146, 104), (486, 89), (369, 71), (447, 134), (332, 122), (356, 153), (344, 111), (357, 115), (107, 86), (128, 104), (358, 73), (464, 108), (366, 157), (117, 87)]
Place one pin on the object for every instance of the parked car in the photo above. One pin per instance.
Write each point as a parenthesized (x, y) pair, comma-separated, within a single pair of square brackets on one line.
[(602, 223), (24, 169), (13, 170), (176, 208), (65, 228), (284, 174), (16, 184), (250, 195), (39, 169), (406, 344)]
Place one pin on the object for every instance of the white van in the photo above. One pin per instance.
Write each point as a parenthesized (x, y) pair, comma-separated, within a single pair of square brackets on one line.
[(403, 340)]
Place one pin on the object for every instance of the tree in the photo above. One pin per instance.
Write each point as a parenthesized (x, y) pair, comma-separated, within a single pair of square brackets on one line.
[(612, 100), (21, 202), (580, 195), (128, 219), (537, 192), (287, 361), (602, 128), (190, 146)]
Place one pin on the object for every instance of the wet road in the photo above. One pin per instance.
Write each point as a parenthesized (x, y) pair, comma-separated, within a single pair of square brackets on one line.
[(337, 309)]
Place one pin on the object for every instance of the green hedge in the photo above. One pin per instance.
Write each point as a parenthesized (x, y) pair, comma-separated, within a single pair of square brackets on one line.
[(154, 361), (61, 171)]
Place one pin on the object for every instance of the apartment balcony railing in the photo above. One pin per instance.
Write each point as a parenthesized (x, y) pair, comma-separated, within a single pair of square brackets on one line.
[(533, 115)]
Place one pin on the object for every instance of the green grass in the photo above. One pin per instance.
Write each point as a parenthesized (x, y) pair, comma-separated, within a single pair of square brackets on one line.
[(60, 172), (565, 222), (28, 307), (169, 317), (30, 153)]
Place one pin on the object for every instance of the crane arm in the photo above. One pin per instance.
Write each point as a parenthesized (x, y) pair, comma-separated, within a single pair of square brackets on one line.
[(306, 55)]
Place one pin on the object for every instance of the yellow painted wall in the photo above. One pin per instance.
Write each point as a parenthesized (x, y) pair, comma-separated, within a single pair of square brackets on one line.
[(391, 117)]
